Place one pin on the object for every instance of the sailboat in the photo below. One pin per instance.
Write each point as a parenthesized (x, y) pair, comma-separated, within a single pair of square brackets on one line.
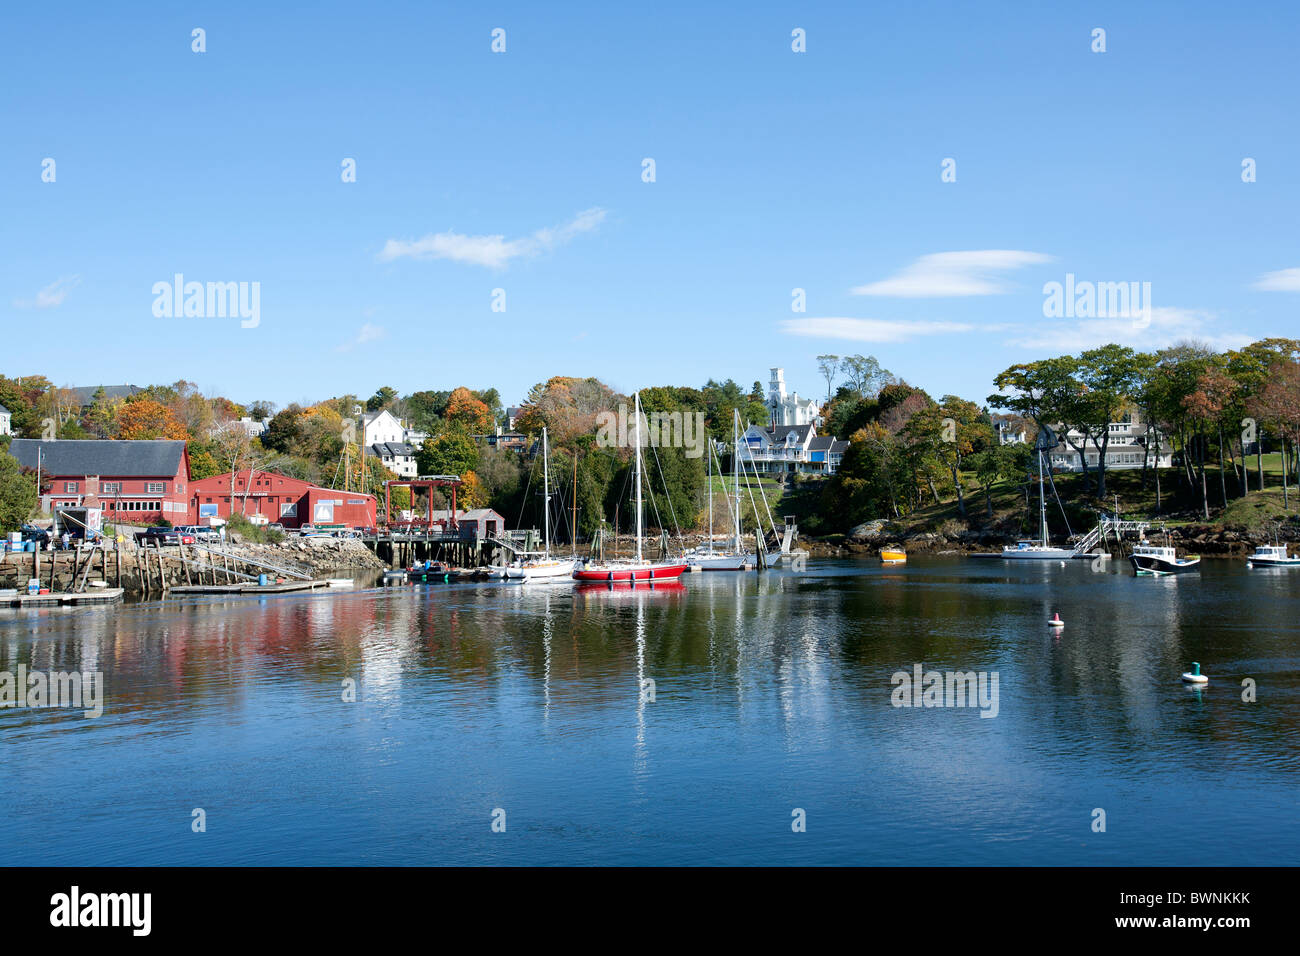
[(638, 568), (541, 566), (706, 557), (1041, 549)]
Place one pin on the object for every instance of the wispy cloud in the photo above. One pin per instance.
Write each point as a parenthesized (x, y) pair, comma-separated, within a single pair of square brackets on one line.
[(1283, 280), (368, 333), (869, 330), (52, 296), (1167, 326), (944, 274), (495, 251)]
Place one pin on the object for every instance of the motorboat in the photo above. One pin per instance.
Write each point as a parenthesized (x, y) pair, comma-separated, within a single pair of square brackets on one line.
[(1148, 558), (1272, 556)]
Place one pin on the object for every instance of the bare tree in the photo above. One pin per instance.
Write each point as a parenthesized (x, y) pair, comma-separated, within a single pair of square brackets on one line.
[(828, 365)]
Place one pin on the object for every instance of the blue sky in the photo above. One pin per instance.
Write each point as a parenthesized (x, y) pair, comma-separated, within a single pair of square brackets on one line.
[(522, 171)]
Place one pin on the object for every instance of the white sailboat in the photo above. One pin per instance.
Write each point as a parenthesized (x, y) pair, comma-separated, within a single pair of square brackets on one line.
[(541, 566), (735, 558), (1041, 549)]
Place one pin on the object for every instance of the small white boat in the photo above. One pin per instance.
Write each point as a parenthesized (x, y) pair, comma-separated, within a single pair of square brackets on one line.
[(720, 560), (1149, 558), (1036, 551), (339, 582), (541, 565), (1271, 556), (540, 569)]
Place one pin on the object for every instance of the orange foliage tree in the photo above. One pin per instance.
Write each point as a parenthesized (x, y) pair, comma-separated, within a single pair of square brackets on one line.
[(148, 419), (466, 410)]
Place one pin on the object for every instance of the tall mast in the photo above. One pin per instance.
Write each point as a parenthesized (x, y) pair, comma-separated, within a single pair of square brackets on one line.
[(735, 469), (546, 497), (1042, 501), (637, 446), (710, 495)]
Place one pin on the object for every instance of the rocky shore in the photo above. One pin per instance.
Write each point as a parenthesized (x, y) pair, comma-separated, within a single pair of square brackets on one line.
[(870, 537)]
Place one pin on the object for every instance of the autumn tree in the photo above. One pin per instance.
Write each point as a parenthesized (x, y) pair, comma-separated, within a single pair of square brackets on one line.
[(147, 418)]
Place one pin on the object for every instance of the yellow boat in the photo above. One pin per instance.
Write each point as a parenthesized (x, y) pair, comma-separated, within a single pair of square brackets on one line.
[(893, 555)]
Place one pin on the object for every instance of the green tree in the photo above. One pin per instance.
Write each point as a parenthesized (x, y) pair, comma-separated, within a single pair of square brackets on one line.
[(451, 453), (17, 493)]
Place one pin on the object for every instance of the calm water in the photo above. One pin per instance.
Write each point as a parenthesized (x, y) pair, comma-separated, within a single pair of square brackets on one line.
[(772, 693)]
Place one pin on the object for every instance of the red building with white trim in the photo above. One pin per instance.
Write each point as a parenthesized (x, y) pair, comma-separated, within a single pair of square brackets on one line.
[(278, 498), (130, 482)]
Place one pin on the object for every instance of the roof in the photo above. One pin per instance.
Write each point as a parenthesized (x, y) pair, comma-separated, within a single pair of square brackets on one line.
[(472, 515), (3, 410), (821, 443), (778, 434), (143, 459), (392, 449), (86, 393)]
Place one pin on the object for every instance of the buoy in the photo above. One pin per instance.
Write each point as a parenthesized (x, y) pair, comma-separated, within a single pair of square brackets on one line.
[(1056, 620), (1194, 676)]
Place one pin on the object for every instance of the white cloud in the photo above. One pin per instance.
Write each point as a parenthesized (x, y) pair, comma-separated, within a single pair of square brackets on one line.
[(869, 330), (1284, 280), (52, 296), (954, 274), (494, 251), (368, 333), (1167, 326)]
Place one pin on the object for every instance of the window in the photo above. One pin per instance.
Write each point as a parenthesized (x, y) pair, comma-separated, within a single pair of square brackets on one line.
[(69, 487), (110, 487), (155, 487), (289, 510)]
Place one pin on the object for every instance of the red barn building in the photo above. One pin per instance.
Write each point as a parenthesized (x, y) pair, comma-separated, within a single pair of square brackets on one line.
[(290, 501), (131, 482)]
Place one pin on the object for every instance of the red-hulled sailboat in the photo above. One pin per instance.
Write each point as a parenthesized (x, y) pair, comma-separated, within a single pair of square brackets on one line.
[(634, 570)]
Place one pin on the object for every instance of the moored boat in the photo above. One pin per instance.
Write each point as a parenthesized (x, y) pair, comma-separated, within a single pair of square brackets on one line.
[(630, 571), (1148, 558), (893, 555), (1272, 556), (542, 566)]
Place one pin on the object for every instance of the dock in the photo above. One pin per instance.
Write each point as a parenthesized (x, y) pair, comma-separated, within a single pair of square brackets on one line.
[(93, 596), (249, 588)]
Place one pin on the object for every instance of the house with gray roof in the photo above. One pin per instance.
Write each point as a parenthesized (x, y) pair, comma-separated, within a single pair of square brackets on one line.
[(129, 482), (791, 449)]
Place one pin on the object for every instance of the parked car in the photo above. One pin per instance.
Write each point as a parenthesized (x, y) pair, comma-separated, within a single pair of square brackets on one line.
[(33, 533), (163, 536), (276, 526)]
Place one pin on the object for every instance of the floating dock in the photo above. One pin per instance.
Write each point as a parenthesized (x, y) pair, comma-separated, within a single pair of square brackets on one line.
[(94, 596), (249, 588)]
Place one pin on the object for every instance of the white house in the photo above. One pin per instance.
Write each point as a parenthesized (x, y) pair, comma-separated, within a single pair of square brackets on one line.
[(252, 428), (398, 457), (1126, 449), (789, 409), (6, 421), (382, 427), (791, 449)]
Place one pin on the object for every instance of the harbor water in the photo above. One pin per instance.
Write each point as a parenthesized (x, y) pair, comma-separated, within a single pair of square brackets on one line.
[(734, 718)]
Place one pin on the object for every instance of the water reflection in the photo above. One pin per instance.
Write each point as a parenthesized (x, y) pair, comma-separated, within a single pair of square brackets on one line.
[(768, 688)]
